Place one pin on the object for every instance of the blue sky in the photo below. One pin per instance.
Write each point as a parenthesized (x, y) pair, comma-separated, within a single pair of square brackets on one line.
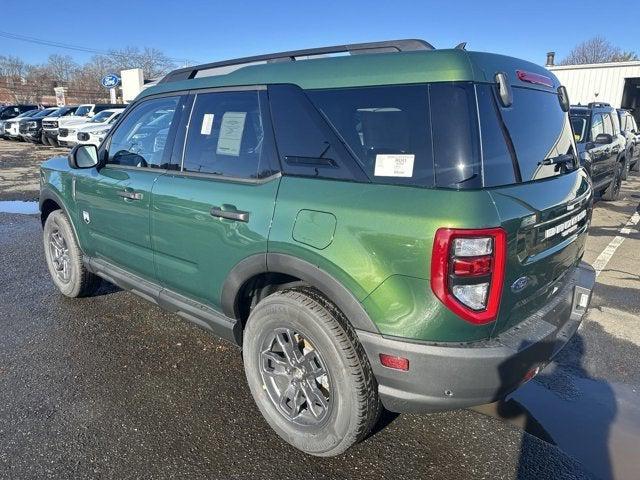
[(209, 30)]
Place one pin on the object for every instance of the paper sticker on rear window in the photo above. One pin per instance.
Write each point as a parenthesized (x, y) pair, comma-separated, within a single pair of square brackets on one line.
[(396, 165), (207, 124), (231, 131)]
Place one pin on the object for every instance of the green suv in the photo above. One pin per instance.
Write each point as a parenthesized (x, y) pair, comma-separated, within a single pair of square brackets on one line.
[(403, 227)]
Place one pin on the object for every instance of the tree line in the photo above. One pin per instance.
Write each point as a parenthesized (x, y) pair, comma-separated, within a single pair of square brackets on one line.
[(21, 82)]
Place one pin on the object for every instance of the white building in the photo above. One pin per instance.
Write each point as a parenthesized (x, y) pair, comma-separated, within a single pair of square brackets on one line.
[(616, 83)]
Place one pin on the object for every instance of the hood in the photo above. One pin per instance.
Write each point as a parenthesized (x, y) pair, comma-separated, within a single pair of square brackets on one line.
[(68, 121), (91, 127)]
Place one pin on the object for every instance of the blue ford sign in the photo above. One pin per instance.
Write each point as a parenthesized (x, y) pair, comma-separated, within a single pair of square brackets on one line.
[(110, 81)]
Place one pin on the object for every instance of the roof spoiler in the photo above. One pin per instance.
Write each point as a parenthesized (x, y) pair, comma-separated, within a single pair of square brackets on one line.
[(407, 45)]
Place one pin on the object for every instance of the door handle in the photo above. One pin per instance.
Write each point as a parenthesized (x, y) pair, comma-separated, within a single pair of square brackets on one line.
[(238, 215), (130, 195)]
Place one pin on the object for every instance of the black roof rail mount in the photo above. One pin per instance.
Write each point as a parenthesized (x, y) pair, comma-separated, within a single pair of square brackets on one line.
[(406, 45), (461, 46)]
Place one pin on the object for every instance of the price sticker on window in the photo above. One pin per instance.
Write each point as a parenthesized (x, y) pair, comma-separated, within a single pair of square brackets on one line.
[(395, 165)]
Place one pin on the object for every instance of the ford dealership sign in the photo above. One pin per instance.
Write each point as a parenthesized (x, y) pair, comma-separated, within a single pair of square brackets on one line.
[(110, 81)]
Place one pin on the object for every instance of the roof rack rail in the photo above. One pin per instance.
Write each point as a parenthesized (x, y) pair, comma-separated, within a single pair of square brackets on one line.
[(407, 45), (598, 104)]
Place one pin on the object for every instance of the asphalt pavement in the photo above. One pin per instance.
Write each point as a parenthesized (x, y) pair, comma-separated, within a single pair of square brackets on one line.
[(113, 387)]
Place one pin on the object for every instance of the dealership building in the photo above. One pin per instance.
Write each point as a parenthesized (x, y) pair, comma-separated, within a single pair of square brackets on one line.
[(616, 83)]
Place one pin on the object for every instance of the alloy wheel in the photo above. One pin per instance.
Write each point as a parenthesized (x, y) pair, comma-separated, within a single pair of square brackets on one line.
[(295, 377), (60, 258)]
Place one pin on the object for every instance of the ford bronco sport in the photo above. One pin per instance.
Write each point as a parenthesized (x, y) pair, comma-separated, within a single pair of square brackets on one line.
[(403, 227)]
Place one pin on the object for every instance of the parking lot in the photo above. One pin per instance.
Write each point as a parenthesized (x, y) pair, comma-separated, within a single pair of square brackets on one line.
[(114, 387)]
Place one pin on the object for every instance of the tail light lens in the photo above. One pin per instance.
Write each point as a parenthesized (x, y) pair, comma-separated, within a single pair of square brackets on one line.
[(467, 271)]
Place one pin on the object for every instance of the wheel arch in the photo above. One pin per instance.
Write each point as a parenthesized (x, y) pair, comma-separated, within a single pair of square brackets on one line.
[(49, 202), (293, 269)]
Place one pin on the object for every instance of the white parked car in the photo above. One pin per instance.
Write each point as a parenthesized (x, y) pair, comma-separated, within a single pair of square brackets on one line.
[(100, 123), (81, 114), (11, 127)]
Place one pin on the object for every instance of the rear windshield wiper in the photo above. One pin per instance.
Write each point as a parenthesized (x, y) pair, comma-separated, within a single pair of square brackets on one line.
[(560, 159)]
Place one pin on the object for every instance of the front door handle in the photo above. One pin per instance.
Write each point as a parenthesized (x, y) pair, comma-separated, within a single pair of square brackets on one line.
[(130, 195), (232, 214)]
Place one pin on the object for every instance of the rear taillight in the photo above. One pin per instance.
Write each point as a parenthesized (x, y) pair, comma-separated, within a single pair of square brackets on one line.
[(467, 271)]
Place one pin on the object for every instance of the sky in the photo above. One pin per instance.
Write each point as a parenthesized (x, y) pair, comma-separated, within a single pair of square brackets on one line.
[(204, 31)]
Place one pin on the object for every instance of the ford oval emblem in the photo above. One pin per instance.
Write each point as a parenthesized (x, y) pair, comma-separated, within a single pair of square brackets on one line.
[(520, 284), (110, 81)]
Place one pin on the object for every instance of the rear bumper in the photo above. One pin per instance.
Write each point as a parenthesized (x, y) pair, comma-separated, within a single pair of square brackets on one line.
[(449, 376)]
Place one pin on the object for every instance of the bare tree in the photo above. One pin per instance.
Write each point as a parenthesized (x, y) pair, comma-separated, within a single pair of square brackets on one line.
[(61, 67), (596, 50)]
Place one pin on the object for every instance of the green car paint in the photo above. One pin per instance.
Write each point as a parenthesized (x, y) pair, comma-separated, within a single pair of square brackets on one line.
[(376, 240)]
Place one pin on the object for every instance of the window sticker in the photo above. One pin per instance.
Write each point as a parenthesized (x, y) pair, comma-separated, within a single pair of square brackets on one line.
[(207, 124), (394, 165), (231, 131)]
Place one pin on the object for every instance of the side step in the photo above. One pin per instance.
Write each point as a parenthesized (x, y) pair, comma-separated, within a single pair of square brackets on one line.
[(206, 317)]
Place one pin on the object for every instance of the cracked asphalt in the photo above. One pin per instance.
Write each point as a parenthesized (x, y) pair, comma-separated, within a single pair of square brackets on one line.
[(113, 387)]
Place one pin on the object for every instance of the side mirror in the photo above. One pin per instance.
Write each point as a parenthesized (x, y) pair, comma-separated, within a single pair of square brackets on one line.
[(83, 156), (90, 114), (604, 139)]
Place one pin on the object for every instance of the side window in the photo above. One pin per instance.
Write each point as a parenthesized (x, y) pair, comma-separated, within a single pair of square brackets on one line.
[(306, 144), (140, 139), (597, 126), (227, 136)]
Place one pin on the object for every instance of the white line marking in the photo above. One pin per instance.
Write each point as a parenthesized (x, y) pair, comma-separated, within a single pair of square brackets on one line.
[(603, 259)]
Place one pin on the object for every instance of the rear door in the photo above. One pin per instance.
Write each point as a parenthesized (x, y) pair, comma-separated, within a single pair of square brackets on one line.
[(216, 208), (543, 206)]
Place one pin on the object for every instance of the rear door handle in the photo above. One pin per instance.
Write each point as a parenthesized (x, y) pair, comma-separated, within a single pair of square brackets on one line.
[(130, 195), (238, 215)]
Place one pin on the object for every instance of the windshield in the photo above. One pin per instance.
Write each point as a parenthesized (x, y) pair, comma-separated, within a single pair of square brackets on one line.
[(43, 113), (101, 117), (60, 112), (29, 113), (82, 111), (579, 124)]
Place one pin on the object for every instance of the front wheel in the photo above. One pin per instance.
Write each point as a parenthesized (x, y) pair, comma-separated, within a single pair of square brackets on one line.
[(308, 373), (612, 192), (64, 258)]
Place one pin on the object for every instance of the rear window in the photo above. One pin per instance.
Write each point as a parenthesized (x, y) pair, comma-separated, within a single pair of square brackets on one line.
[(536, 131)]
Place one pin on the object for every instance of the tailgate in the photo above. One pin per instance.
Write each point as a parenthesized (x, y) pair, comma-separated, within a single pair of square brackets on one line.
[(546, 223)]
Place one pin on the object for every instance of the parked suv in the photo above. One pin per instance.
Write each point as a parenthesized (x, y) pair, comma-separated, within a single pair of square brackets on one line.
[(629, 129), (82, 114), (80, 132), (50, 124), (11, 127), (12, 111), (30, 129), (601, 146), (403, 228)]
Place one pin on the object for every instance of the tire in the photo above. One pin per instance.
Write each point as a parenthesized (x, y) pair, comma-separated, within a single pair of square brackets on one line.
[(625, 170), (54, 142), (636, 166), (64, 258), (44, 140), (320, 337), (612, 192)]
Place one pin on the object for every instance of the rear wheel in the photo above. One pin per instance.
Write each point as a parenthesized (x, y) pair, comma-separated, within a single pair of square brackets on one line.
[(64, 258), (308, 373), (613, 190)]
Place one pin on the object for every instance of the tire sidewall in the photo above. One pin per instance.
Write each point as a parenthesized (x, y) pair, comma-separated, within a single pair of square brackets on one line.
[(278, 311), (58, 219)]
